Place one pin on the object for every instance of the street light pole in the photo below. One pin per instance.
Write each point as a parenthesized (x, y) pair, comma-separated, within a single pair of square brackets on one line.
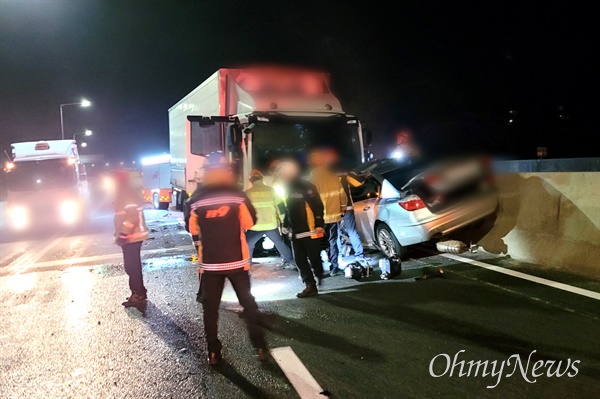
[(62, 125), (84, 103)]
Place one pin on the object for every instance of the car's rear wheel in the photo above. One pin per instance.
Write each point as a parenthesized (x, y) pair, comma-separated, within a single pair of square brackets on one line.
[(388, 244)]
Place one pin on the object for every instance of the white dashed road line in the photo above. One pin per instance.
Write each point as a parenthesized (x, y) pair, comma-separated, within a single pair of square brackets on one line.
[(300, 378), (524, 276), (30, 263)]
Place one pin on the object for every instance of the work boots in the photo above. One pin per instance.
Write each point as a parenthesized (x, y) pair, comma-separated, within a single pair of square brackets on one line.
[(135, 301), (310, 290), (214, 358), (263, 354)]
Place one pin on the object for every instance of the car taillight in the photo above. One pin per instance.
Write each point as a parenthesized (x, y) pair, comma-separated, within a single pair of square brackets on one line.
[(412, 203)]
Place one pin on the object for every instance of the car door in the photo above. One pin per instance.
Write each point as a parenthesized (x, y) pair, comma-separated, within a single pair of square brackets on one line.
[(366, 199)]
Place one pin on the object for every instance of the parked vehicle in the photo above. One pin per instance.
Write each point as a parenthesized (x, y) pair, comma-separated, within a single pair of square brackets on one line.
[(46, 184), (401, 203), (156, 173), (257, 115)]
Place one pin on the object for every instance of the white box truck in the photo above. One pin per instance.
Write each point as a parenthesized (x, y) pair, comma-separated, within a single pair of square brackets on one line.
[(254, 116), (46, 185)]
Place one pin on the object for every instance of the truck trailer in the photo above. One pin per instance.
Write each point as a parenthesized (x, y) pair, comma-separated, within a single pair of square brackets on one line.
[(46, 185), (254, 116)]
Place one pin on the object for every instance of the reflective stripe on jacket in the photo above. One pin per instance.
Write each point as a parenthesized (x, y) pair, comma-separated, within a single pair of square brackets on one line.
[(219, 217), (332, 194), (267, 204), (343, 176), (129, 219), (304, 210)]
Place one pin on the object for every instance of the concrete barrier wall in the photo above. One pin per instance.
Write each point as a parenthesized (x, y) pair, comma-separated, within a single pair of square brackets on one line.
[(551, 219)]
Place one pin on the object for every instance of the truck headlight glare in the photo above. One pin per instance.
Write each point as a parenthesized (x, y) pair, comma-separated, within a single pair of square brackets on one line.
[(19, 217), (69, 211)]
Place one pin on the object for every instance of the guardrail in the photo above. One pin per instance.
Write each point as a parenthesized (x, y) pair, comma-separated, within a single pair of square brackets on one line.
[(548, 165)]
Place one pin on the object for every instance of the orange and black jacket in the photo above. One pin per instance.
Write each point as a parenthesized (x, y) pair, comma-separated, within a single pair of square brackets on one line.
[(220, 216), (304, 210)]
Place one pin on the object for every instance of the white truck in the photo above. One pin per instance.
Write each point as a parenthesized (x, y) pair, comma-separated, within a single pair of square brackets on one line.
[(46, 185), (254, 116)]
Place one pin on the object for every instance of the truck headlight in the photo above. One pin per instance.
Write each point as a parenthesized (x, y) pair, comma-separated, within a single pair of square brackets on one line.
[(69, 211), (108, 184), (19, 217)]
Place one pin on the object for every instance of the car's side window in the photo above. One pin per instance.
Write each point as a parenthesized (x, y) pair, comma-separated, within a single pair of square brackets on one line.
[(370, 188)]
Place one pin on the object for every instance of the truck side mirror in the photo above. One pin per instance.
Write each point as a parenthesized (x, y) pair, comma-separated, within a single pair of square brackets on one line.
[(235, 135)]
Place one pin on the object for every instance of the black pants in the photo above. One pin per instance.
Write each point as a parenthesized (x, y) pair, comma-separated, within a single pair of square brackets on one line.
[(332, 231), (306, 249), (212, 289), (132, 258)]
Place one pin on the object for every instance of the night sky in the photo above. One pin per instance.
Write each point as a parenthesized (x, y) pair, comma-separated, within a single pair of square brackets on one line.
[(449, 71)]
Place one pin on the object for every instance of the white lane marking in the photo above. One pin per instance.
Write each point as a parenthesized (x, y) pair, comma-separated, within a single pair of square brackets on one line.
[(20, 264), (118, 255), (539, 280), (302, 381)]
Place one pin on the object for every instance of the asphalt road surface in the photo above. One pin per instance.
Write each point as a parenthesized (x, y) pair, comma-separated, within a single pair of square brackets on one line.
[(64, 333)]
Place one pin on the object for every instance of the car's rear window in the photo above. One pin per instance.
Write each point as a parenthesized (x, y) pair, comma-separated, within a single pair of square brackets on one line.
[(402, 175)]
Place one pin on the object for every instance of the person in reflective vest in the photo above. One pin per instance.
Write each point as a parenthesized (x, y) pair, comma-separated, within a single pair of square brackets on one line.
[(270, 212), (332, 161), (130, 233), (304, 220), (334, 201)]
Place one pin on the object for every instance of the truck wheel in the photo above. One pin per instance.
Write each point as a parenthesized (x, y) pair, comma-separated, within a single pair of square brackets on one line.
[(388, 244)]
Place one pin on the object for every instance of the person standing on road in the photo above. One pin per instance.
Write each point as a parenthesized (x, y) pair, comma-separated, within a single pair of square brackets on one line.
[(334, 201), (198, 177), (348, 219), (270, 211), (304, 217), (219, 217), (130, 233), (187, 211)]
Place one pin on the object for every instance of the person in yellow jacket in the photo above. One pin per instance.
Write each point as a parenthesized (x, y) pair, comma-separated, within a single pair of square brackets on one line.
[(130, 233), (334, 201), (270, 212)]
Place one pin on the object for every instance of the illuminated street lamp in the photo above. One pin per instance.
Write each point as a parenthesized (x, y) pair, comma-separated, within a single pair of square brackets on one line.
[(83, 103), (88, 132), (84, 144)]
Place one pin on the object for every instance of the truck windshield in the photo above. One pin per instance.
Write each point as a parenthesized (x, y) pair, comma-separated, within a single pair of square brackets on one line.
[(41, 175), (279, 140)]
